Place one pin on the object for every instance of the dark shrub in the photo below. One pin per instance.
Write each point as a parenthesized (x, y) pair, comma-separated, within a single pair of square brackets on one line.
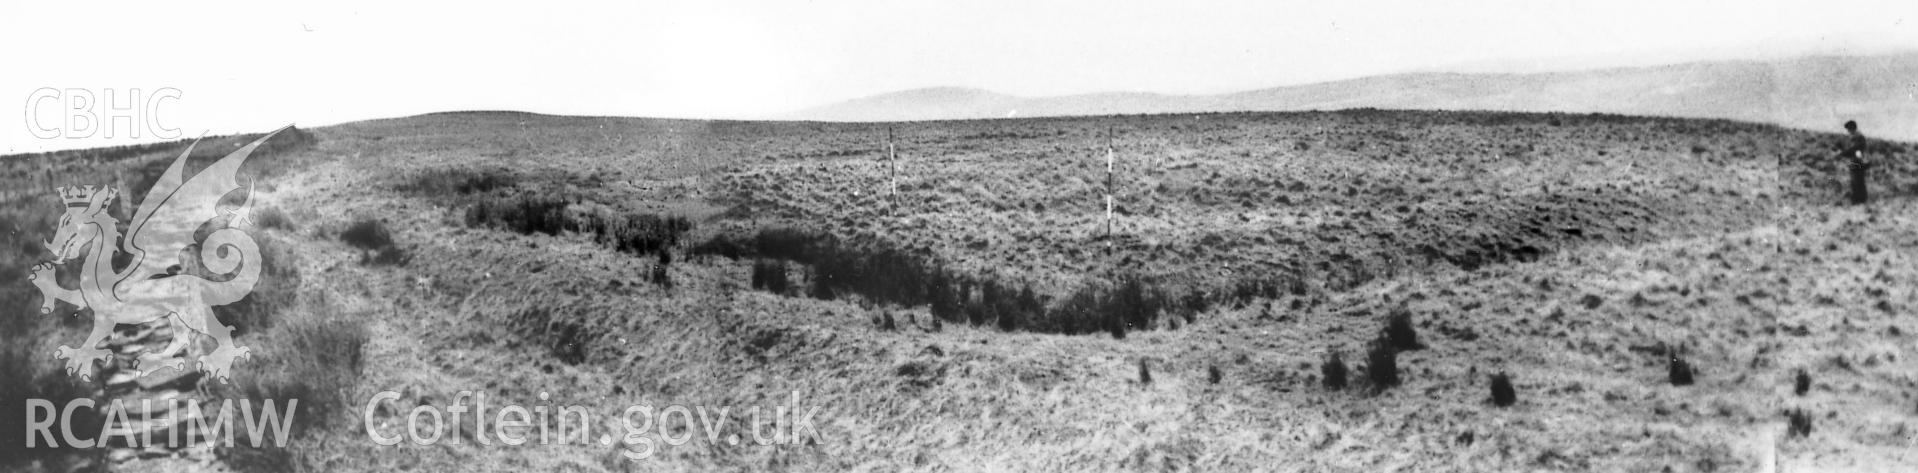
[(1029, 307), (367, 234), (1802, 384), (1245, 291), (1193, 304), (1135, 308), (993, 301), (567, 343), (660, 275), (1679, 372), (1800, 423), (458, 181), (1015, 309), (373, 237), (1078, 313), (941, 299), (274, 218), (389, 256), (886, 275), (1502, 393), (635, 234), (770, 275), (1213, 374), (1382, 365), (1399, 330), (1333, 371), (631, 233), (525, 214)]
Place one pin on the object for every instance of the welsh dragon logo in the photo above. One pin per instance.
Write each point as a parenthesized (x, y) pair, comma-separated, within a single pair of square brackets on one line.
[(180, 225)]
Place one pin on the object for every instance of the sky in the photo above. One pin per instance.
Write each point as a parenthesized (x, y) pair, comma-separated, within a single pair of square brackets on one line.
[(233, 67)]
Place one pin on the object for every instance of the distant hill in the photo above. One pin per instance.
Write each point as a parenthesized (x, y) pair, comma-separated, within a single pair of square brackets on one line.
[(1818, 92)]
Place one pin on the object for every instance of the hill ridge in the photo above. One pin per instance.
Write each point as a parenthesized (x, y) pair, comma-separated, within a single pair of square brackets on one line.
[(1812, 92)]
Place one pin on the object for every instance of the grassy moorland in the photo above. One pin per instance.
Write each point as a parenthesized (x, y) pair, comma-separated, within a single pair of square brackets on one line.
[(977, 320)]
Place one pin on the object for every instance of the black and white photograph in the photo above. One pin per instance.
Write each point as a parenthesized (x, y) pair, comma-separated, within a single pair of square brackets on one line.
[(985, 236)]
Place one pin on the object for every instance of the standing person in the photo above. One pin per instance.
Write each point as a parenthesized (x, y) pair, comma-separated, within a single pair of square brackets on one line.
[(1854, 155)]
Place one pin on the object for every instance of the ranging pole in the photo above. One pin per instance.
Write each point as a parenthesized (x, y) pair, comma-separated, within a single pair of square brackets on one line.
[(892, 161), (1109, 158)]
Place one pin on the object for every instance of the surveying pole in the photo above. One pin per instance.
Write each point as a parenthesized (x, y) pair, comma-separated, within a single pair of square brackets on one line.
[(892, 161), (1109, 159)]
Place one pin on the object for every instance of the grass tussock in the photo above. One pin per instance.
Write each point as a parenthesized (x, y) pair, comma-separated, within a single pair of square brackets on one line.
[(273, 218), (563, 338), (25, 371), (313, 357), (32, 377), (274, 293)]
